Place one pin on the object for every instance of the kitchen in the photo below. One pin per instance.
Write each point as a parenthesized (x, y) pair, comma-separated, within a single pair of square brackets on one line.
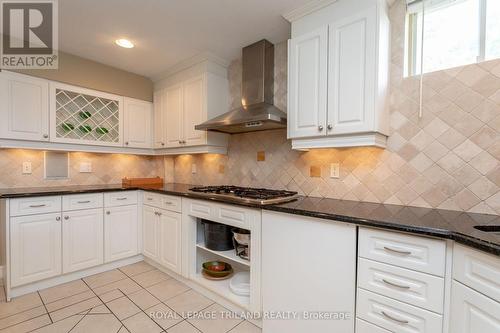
[(254, 167)]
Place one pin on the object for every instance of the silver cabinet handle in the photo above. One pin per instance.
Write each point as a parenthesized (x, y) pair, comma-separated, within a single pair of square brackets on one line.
[(58, 218), (108, 212), (320, 128), (149, 199), (66, 217), (84, 202), (163, 143), (329, 126), (169, 203), (37, 206), (121, 199), (45, 136), (401, 321), (159, 214), (126, 143), (180, 141), (395, 284), (406, 253)]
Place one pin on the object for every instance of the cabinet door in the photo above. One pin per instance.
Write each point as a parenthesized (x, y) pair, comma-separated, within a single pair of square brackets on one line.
[(472, 312), (120, 233), (35, 248), (82, 239), (307, 85), (150, 232), (351, 73), (194, 111), (327, 283), (137, 131), (174, 105), (170, 240), (159, 120), (24, 107)]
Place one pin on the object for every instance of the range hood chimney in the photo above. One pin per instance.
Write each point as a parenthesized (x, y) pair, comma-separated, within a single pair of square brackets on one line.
[(257, 112)]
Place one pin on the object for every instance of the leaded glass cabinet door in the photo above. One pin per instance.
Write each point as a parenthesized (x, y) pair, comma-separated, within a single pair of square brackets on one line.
[(84, 116)]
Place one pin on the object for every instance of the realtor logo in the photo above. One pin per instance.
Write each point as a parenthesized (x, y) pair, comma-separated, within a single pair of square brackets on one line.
[(29, 34)]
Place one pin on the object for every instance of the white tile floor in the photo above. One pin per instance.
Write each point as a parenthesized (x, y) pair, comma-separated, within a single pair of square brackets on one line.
[(135, 298)]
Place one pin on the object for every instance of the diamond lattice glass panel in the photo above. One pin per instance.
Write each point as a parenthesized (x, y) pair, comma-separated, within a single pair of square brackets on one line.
[(86, 117)]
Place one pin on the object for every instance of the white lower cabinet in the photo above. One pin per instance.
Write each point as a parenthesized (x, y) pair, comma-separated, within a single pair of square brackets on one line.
[(396, 316), (308, 265), (150, 233), (162, 237), (35, 248), (472, 312), (82, 238), (365, 327), (120, 232), (170, 240)]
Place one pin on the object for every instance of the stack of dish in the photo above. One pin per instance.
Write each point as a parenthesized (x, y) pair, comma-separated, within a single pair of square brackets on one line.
[(217, 270)]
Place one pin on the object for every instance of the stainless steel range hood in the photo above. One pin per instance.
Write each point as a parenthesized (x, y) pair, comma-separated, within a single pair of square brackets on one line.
[(257, 112)]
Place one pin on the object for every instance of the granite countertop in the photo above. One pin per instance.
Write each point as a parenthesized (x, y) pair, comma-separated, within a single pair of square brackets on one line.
[(458, 226)]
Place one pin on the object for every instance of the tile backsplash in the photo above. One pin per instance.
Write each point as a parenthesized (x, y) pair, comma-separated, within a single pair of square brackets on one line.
[(106, 168), (449, 158)]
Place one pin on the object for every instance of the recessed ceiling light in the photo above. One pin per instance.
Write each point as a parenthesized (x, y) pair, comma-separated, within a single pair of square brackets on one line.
[(124, 43)]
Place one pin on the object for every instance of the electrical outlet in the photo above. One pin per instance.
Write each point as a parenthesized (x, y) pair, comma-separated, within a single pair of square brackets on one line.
[(26, 168), (193, 169), (85, 167), (335, 170)]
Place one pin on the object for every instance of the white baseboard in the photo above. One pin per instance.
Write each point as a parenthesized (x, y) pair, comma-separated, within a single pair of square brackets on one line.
[(32, 287)]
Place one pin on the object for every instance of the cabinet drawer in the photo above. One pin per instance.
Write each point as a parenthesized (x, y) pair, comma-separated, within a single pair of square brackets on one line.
[(152, 199), (365, 327), (423, 290), (478, 270), (417, 253), (114, 199), (200, 209), (82, 201), (396, 316), (171, 203), (37, 205)]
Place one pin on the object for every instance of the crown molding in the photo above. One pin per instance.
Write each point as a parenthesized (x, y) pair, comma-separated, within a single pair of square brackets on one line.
[(185, 64), (306, 9)]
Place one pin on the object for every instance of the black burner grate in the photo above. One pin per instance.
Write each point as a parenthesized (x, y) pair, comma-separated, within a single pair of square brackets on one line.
[(245, 192)]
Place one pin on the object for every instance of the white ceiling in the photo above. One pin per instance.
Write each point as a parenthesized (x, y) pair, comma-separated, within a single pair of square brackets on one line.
[(167, 32)]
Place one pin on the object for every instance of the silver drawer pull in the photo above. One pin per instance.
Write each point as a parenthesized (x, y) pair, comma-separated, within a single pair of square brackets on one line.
[(83, 202), (37, 206), (121, 199), (395, 284), (169, 203), (406, 253), (150, 199), (401, 321)]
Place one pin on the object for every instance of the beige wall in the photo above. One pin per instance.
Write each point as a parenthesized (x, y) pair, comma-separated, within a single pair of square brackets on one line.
[(90, 74), (449, 159)]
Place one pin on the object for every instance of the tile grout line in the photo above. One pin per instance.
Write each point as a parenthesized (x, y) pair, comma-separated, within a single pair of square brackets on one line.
[(141, 310), (46, 310), (60, 299), (78, 322), (24, 321)]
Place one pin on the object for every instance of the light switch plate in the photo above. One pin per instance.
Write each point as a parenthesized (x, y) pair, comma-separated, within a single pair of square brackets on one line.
[(26, 168), (335, 170), (85, 167)]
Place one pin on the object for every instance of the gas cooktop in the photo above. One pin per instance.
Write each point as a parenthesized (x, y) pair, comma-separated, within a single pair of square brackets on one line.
[(259, 196)]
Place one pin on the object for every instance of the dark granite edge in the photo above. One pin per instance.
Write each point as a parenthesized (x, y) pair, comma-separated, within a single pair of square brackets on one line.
[(427, 231), (477, 243)]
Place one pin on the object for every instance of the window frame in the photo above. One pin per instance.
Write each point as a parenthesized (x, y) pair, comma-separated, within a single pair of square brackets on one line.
[(413, 36)]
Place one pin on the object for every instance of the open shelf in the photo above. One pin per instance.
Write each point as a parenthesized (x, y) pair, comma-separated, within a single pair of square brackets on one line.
[(221, 288), (231, 254)]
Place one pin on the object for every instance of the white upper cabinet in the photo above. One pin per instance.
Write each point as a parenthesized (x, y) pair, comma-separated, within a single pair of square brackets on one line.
[(307, 75), (338, 76), (159, 121), (186, 99), (137, 123), (174, 109), (194, 111), (24, 107)]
